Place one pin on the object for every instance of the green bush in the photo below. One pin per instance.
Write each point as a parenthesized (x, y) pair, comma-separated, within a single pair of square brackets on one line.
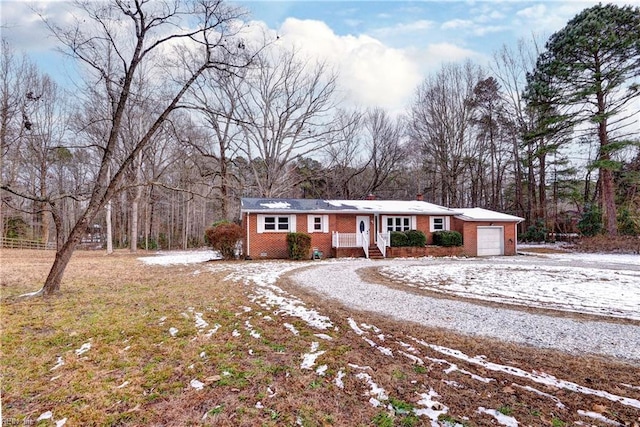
[(299, 245), (224, 237), (536, 232), (447, 238), (416, 238), (627, 224), (398, 238), (591, 222)]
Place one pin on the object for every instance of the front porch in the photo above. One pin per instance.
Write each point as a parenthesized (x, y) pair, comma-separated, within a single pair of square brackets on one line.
[(359, 244)]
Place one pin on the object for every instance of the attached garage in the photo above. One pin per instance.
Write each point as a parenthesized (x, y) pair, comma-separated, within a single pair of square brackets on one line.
[(487, 233), (490, 241)]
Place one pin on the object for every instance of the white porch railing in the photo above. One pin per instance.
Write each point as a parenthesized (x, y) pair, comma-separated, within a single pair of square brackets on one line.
[(351, 240), (345, 240), (382, 242), (364, 241)]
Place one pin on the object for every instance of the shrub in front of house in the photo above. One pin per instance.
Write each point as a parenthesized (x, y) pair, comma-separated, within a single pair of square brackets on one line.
[(447, 238), (408, 238), (416, 238), (299, 245), (398, 238), (223, 236)]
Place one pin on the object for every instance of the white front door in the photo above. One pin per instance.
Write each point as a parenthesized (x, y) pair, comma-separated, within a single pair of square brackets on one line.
[(362, 229), (490, 241)]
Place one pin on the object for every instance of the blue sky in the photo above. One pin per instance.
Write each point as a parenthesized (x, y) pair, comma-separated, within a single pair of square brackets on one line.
[(382, 49)]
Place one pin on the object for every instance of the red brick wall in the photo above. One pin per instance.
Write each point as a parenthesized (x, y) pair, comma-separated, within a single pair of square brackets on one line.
[(273, 245), (469, 230), (435, 251)]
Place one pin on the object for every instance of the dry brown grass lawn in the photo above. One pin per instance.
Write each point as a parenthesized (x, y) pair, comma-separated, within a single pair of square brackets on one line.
[(136, 373)]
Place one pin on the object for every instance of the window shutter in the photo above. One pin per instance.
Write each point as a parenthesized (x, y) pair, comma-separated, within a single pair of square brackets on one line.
[(325, 223), (310, 221), (447, 225), (292, 223), (260, 221), (414, 222)]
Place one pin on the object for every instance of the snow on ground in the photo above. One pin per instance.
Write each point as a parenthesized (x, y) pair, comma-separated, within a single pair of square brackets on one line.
[(587, 290), (562, 287), (185, 257)]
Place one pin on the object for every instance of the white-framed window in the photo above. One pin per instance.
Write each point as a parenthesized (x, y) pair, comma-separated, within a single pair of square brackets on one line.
[(276, 223), (398, 223), (317, 223), (439, 223)]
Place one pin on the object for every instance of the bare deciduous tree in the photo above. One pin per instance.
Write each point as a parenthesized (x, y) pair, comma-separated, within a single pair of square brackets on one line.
[(288, 112), (176, 42), (441, 121)]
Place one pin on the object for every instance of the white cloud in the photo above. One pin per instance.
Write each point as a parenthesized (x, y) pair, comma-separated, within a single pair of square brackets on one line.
[(534, 12), (370, 72), (456, 24)]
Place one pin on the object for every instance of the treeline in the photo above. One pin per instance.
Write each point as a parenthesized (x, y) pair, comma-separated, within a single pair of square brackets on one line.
[(159, 145)]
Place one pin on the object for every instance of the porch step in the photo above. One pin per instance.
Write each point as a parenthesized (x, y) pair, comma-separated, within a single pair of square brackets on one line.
[(374, 253)]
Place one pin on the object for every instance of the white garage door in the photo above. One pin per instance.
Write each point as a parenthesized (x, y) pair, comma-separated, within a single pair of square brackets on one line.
[(490, 241)]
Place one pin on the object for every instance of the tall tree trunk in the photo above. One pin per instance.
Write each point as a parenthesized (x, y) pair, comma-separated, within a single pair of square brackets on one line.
[(542, 187), (64, 253), (109, 229), (133, 238), (606, 174)]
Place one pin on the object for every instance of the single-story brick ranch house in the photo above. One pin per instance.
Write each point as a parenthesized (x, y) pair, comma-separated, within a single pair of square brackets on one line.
[(356, 228)]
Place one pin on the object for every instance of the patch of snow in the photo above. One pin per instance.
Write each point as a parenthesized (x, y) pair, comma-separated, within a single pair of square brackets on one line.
[(323, 337), (61, 422), (559, 404), (431, 408), (235, 333), (338, 380), (188, 257), (599, 417), (540, 378), (354, 326), (377, 392), (321, 370), (309, 359), (210, 332), (254, 334), (45, 416), (198, 385), (362, 368), (173, 331), (200, 322), (276, 205), (291, 328), (259, 405), (59, 362), (269, 296), (123, 385), (633, 387), (415, 359), (501, 418), (83, 348), (586, 290)]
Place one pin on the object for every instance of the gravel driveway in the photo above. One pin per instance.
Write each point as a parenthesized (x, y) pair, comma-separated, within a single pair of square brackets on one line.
[(340, 281)]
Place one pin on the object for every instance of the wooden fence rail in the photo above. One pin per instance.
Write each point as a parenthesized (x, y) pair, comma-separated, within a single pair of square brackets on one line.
[(11, 243)]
